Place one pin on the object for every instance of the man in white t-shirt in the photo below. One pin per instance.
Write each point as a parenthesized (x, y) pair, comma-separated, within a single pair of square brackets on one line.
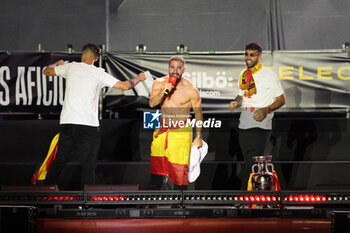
[(79, 133), (260, 93)]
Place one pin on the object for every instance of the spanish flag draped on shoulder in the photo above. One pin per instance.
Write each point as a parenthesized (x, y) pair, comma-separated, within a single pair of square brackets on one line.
[(50, 156)]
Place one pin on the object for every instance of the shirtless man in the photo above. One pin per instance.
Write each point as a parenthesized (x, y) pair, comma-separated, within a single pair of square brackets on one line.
[(171, 145)]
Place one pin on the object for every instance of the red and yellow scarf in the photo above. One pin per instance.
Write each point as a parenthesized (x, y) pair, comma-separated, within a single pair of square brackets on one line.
[(246, 82)]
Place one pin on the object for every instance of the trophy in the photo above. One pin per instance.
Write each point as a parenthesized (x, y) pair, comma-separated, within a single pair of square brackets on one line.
[(263, 179)]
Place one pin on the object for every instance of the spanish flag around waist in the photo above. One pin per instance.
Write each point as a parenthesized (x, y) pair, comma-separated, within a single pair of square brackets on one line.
[(50, 156), (170, 152)]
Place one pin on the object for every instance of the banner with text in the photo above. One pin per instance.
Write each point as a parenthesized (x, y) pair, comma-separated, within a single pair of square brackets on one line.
[(23, 86), (312, 81)]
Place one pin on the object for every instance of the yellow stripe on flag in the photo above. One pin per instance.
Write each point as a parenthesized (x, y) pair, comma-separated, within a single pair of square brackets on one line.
[(41, 173)]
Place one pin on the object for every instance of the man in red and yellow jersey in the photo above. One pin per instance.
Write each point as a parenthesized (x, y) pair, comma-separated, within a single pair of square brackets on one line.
[(171, 144)]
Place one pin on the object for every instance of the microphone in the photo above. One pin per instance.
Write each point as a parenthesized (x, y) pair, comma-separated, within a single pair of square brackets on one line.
[(172, 80)]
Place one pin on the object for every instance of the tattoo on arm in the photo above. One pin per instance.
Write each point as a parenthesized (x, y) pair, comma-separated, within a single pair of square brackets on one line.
[(239, 100)]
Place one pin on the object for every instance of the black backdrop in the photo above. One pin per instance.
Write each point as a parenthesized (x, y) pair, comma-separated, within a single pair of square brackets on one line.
[(308, 153)]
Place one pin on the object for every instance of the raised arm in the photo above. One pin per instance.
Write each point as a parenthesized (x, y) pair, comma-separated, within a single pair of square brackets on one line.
[(157, 93), (126, 85), (50, 69)]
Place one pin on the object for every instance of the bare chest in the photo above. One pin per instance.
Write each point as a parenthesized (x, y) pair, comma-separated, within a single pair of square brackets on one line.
[(179, 98)]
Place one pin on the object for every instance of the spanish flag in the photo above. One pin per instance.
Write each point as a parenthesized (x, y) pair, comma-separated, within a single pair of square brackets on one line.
[(170, 153), (51, 155)]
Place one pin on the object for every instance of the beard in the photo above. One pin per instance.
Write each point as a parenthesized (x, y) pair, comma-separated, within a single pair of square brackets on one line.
[(252, 64)]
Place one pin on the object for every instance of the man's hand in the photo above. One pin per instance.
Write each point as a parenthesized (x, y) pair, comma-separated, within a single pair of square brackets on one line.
[(50, 69), (57, 63), (141, 77), (233, 105), (60, 62), (260, 114), (236, 103), (197, 142), (168, 87)]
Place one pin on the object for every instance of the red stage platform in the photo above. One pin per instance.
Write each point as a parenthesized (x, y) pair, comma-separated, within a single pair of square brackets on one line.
[(175, 211), (195, 225)]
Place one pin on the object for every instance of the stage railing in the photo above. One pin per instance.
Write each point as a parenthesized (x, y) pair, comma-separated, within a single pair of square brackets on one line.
[(187, 197)]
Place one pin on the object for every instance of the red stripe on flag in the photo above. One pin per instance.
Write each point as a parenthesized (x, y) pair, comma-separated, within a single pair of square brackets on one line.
[(52, 158), (177, 173), (159, 165)]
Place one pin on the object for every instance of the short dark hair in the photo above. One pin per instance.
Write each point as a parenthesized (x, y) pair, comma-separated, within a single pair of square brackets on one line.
[(177, 58), (92, 48), (254, 46)]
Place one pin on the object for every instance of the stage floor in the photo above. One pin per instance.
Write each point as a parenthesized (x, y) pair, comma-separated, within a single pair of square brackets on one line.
[(192, 225)]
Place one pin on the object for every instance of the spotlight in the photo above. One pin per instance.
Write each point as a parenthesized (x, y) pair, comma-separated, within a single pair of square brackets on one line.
[(40, 48), (102, 48), (346, 48), (70, 48), (141, 48), (182, 49)]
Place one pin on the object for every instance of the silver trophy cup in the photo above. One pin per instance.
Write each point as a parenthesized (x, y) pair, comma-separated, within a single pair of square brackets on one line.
[(263, 179)]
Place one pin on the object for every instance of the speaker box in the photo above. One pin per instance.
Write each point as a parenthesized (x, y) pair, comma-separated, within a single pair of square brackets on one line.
[(340, 221), (15, 219)]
